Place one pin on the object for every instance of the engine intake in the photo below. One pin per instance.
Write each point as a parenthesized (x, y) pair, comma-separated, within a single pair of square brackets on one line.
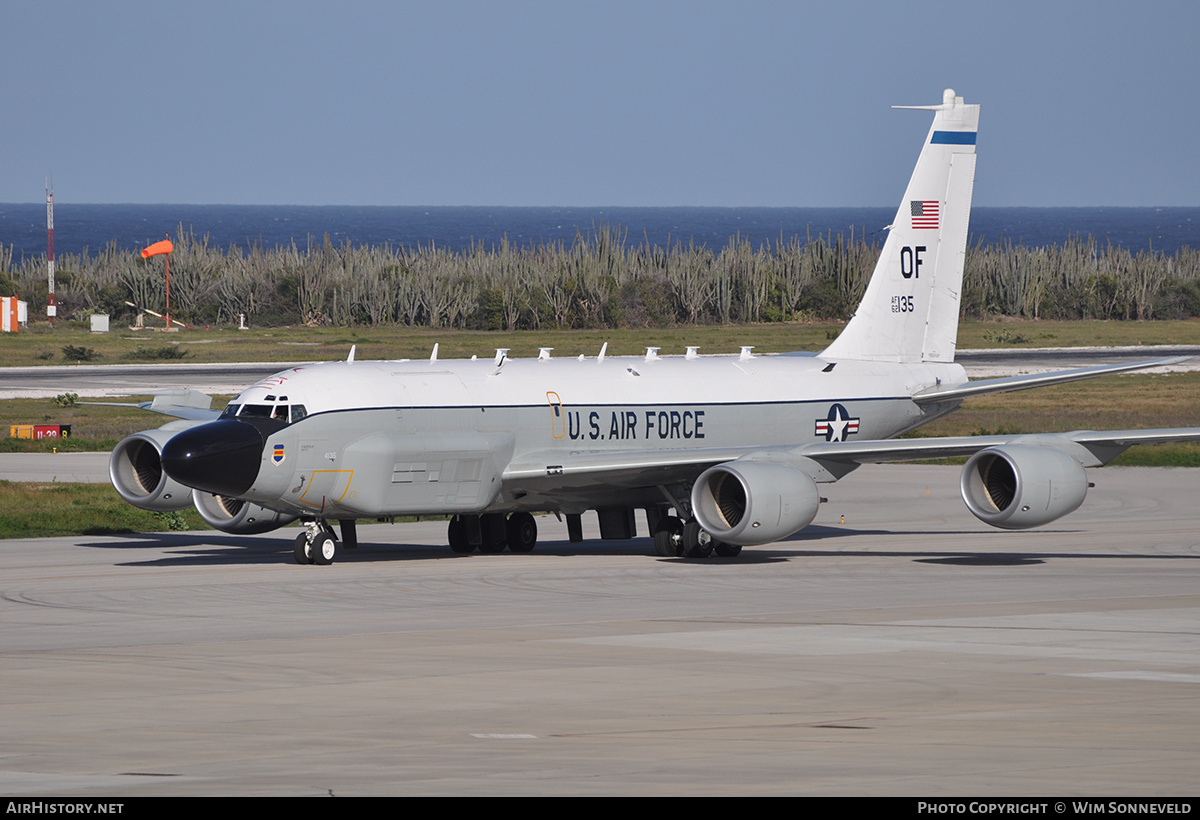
[(1016, 487), (135, 469), (236, 516), (754, 502)]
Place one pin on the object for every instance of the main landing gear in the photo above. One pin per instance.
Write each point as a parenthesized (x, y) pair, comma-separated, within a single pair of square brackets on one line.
[(674, 537), (493, 532), (317, 544)]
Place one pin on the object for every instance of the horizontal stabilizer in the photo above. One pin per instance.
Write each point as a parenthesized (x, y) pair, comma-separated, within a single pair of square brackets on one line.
[(1010, 384), (181, 403)]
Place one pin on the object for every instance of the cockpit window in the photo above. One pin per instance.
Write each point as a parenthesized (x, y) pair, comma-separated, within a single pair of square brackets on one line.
[(260, 411), (289, 414)]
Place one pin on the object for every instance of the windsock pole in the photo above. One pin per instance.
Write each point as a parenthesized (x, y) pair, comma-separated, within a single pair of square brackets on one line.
[(163, 248)]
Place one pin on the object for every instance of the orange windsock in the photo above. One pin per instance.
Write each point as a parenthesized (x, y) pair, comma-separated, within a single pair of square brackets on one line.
[(157, 249)]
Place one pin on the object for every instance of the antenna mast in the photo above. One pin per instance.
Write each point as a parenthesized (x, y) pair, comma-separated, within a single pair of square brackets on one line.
[(51, 308)]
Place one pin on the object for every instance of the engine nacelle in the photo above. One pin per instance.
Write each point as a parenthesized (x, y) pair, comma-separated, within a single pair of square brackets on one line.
[(754, 502), (236, 516), (135, 469), (1020, 486)]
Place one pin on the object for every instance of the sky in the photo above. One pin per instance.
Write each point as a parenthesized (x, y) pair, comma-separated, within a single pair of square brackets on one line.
[(533, 102)]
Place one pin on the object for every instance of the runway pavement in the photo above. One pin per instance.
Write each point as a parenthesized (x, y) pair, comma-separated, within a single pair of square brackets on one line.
[(909, 650), (80, 468)]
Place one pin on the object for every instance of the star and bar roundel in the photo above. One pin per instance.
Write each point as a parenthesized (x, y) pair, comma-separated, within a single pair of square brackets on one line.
[(837, 425)]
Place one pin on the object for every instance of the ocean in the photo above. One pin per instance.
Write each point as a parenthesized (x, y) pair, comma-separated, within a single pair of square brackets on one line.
[(92, 227)]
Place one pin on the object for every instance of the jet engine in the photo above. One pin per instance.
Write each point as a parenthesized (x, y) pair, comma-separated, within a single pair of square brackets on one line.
[(754, 502), (1015, 487), (135, 468), (236, 516)]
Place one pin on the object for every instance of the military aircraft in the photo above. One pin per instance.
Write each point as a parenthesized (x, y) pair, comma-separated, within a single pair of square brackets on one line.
[(720, 451)]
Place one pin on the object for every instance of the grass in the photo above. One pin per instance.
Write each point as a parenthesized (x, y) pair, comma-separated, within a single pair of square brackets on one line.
[(40, 345), (1004, 333), (35, 510)]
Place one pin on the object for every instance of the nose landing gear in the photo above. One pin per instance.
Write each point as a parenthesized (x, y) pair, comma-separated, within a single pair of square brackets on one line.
[(318, 545)]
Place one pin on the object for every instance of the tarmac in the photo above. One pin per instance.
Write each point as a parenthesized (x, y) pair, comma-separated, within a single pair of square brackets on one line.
[(77, 468), (905, 650)]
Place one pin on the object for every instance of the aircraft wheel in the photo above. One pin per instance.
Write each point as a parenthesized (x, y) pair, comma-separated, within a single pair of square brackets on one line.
[(522, 532), (696, 542), (301, 549), (324, 549), (668, 538), (457, 535), (728, 550)]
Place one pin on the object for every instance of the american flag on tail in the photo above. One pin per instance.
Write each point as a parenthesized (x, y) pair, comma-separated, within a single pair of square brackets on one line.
[(925, 213)]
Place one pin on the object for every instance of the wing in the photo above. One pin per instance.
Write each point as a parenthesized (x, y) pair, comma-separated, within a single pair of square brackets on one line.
[(1091, 448), (626, 469), (190, 405), (758, 495)]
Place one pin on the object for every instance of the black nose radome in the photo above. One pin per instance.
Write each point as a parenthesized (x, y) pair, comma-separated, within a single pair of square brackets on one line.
[(221, 457)]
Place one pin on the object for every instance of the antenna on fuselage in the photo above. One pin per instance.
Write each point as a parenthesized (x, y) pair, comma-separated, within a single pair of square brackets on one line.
[(603, 350), (433, 355), (350, 358), (501, 358)]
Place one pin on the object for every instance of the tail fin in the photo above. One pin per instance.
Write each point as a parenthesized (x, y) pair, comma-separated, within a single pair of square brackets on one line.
[(909, 312)]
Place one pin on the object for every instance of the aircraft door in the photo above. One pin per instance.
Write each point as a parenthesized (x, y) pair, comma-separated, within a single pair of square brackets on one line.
[(317, 483), (325, 488)]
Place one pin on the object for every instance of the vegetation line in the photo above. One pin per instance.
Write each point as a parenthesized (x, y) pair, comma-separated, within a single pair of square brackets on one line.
[(601, 280)]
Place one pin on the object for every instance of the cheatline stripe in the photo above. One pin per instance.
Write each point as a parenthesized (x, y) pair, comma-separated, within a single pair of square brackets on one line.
[(953, 138)]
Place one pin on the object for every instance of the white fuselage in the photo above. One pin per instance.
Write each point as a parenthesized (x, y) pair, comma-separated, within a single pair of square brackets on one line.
[(367, 424)]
